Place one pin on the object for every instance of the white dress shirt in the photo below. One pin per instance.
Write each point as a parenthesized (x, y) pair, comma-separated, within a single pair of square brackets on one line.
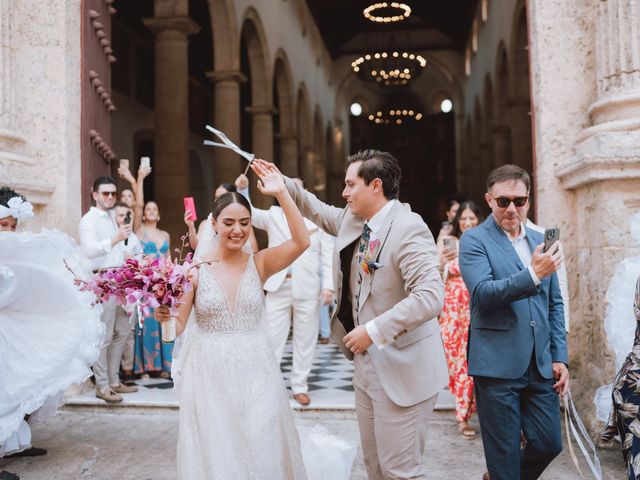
[(375, 224), (521, 245), (97, 227)]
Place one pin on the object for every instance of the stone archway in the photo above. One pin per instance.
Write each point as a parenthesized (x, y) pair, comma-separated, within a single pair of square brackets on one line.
[(259, 101), (488, 124), (502, 131), (284, 100), (519, 89), (303, 119), (319, 164)]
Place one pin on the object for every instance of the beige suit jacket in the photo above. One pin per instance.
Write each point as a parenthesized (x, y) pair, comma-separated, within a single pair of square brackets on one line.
[(403, 297)]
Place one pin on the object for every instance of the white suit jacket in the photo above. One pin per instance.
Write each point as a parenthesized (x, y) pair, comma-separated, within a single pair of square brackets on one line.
[(305, 271)]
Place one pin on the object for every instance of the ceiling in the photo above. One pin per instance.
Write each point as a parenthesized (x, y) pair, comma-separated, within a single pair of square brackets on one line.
[(433, 25)]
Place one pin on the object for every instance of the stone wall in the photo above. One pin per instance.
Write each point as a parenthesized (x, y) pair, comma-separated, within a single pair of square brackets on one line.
[(40, 108)]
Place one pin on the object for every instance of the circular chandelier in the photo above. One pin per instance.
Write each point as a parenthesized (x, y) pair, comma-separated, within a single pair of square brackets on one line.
[(395, 116), (395, 68), (402, 12)]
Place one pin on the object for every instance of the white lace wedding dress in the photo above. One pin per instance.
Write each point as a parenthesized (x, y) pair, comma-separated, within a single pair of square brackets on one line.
[(235, 418)]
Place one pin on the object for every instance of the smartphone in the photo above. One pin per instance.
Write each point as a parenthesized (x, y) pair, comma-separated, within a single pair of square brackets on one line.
[(124, 163), (446, 243), (145, 162), (190, 205), (127, 217), (551, 236)]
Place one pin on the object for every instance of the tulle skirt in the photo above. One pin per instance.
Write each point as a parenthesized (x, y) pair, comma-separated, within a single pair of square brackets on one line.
[(49, 333)]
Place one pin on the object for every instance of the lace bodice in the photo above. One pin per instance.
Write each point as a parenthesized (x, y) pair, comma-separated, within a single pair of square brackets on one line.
[(212, 309)]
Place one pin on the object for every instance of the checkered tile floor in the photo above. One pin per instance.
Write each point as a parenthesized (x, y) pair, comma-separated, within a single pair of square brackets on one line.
[(330, 371)]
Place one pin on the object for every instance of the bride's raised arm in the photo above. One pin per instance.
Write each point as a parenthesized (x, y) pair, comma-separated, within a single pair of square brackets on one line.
[(272, 260), (162, 313)]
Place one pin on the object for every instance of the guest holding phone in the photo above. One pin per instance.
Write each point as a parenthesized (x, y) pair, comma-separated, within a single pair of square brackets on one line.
[(455, 317)]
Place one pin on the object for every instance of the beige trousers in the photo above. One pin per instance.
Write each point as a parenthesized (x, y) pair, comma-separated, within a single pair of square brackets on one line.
[(393, 437), (107, 367)]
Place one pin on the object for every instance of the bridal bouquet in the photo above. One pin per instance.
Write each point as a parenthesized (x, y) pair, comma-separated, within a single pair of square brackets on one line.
[(147, 281)]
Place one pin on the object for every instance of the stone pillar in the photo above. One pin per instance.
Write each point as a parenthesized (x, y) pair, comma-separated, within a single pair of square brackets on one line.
[(171, 118), (604, 177), (289, 153), (227, 164), (262, 133)]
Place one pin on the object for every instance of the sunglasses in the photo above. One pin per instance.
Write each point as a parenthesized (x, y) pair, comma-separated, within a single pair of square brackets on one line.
[(108, 194), (504, 202)]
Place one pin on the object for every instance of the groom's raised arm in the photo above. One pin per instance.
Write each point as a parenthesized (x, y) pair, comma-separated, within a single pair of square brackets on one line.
[(323, 215)]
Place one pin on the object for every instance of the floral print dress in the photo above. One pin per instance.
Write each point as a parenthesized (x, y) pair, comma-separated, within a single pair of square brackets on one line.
[(625, 419), (454, 327)]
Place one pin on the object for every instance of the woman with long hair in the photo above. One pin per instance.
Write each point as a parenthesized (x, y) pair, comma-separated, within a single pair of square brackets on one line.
[(235, 419), (455, 318)]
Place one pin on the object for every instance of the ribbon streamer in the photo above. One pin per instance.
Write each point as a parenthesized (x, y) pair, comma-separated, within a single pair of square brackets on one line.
[(569, 412), (226, 143)]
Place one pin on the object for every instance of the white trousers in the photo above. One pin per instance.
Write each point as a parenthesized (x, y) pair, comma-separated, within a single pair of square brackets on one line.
[(281, 308), (393, 438)]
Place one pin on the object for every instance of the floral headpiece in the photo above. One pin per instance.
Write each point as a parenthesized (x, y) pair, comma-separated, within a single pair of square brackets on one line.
[(18, 208)]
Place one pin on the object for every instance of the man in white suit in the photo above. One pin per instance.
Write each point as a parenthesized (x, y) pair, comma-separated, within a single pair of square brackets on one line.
[(389, 293), (296, 294)]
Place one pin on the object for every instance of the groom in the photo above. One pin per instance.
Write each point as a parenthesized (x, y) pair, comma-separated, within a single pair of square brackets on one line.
[(388, 293)]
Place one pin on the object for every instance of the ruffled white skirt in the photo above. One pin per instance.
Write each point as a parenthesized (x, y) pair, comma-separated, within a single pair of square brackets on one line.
[(49, 333)]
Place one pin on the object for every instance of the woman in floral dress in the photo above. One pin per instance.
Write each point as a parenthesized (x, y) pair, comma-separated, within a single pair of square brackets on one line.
[(625, 417), (455, 318)]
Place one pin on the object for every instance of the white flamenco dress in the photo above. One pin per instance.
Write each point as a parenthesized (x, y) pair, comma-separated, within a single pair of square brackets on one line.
[(49, 333), (235, 419)]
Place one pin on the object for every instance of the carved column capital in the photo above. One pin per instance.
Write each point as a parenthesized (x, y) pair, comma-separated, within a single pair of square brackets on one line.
[(226, 75), (183, 25)]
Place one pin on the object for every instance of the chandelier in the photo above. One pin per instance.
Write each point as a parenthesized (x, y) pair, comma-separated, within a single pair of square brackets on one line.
[(402, 11), (389, 68), (395, 116)]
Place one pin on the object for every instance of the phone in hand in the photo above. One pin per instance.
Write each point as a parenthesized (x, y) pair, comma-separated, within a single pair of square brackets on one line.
[(127, 221), (190, 205), (124, 163), (447, 244), (551, 236), (145, 162)]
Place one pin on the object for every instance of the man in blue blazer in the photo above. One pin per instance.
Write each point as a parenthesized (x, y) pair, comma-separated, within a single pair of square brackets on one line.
[(517, 343)]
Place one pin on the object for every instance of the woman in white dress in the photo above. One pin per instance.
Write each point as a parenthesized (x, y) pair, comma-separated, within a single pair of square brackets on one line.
[(235, 418), (49, 334)]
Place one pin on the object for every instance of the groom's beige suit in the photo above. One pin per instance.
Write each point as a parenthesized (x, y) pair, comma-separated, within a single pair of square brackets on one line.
[(397, 379)]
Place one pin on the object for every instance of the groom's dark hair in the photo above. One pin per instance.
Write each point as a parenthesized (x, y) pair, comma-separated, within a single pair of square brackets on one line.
[(378, 164)]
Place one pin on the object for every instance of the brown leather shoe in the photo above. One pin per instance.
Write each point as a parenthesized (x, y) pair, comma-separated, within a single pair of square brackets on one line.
[(123, 388), (323, 340), (485, 476), (108, 395), (302, 398)]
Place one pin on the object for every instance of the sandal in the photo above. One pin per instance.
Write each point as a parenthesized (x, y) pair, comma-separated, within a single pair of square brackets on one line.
[(466, 431)]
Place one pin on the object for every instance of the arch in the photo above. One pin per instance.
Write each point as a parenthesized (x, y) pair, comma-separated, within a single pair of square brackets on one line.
[(226, 41), (283, 84), (303, 123), (319, 163), (488, 108), (253, 36), (502, 81), (520, 54)]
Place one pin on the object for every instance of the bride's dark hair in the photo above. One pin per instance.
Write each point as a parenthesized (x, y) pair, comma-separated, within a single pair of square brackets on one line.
[(226, 199), (6, 194)]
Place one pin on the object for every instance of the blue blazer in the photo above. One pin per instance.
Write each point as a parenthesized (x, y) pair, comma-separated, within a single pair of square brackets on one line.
[(511, 318)]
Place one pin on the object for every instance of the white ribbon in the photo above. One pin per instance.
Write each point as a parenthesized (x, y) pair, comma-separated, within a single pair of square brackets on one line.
[(250, 157), (17, 208), (569, 412)]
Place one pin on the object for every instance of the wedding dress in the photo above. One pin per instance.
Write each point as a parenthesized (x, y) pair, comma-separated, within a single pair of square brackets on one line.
[(235, 418), (49, 334)]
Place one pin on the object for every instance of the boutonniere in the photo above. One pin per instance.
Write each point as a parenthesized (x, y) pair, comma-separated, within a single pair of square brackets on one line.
[(368, 265)]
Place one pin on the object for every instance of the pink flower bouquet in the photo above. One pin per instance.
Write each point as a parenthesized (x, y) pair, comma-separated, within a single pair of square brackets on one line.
[(147, 281)]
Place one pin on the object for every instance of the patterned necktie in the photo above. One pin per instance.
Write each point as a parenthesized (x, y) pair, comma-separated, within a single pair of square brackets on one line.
[(362, 249)]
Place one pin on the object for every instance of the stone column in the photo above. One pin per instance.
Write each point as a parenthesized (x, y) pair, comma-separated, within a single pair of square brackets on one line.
[(289, 154), (262, 133), (603, 174), (227, 164), (171, 118)]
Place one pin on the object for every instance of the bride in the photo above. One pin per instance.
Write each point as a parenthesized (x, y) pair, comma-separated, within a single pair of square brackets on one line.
[(235, 419)]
